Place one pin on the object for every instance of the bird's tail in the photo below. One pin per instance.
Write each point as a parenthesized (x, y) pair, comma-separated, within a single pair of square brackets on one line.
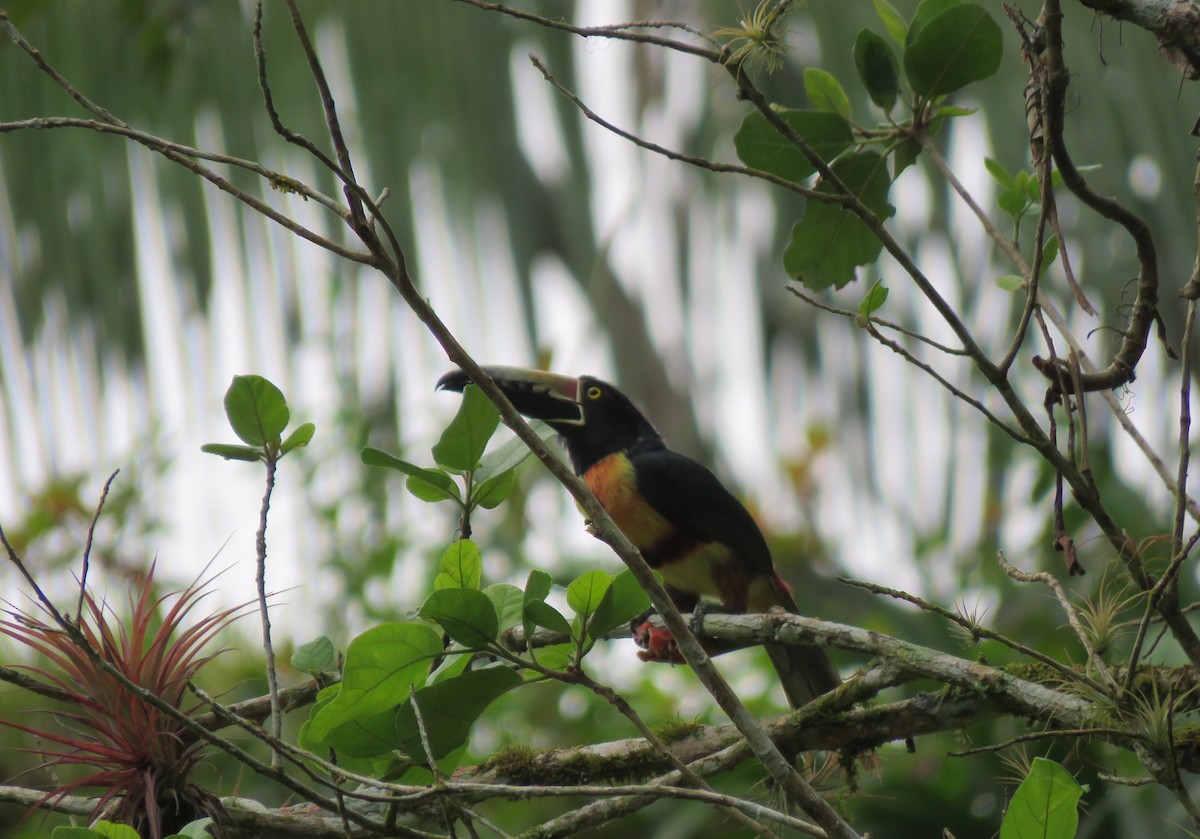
[(804, 672)]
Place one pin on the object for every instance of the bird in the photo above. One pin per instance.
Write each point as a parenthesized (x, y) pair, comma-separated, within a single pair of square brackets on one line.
[(687, 525)]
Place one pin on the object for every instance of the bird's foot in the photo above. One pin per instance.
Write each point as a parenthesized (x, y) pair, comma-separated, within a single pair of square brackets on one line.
[(657, 644)]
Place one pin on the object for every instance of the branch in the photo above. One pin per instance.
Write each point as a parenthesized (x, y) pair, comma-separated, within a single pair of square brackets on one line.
[(1175, 24)]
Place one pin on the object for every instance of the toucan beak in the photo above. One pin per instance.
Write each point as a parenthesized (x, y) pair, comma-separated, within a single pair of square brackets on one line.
[(535, 393)]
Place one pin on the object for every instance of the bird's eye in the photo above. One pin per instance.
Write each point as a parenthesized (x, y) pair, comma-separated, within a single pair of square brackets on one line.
[(593, 392)]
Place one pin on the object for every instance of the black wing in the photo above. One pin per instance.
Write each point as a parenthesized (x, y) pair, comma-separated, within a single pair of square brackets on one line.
[(691, 497)]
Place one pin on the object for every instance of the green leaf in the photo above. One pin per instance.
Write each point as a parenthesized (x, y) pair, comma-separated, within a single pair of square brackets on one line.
[(1045, 805), (302, 436), (960, 45), (904, 155), (449, 709), (1049, 254), (540, 613), (425, 484), (462, 563), (999, 174), (101, 830), (585, 593), (317, 656), (462, 443), (874, 299), (622, 602), (510, 454), (926, 11), (830, 241), (1010, 282), (760, 146), (878, 68), (256, 409), (538, 585), (509, 603), (492, 492), (382, 665), (195, 830), (466, 614), (951, 111), (825, 92), (1013, 201), (892, 21), (360, 738), (230, 451), (537, 588)]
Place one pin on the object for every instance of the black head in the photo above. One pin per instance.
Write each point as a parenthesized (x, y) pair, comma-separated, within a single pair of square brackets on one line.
[(593, 417)]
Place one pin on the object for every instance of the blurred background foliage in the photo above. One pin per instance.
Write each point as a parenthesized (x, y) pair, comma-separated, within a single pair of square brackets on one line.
[(130, 292)]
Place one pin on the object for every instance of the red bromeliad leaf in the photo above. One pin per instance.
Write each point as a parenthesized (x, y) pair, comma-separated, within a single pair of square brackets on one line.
[(138, 752)]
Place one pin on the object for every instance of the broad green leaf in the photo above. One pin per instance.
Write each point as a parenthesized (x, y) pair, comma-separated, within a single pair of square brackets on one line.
[(450, 667), (229, 451), (926, 11), (1049, 254), (256, 409), (194, 830), (622, 602), (1045, 805), (585, 593), (874, 299), (1013, 201), (433, 486), (962, 44), (76, 833), (466, 614), (760, 146), (950, 112), (462, 563), (538, 585), (1010, 282), (492, 492), (892, 21), (449, 709), (511, 453), (382, 665), (361, 738), (878, 68), (825, 92), (537, 588), (302, 436), (540, 613), (103, 829), (999, 174), (904, 155), (316, 656), (509, 602), (425, 484), (555, 657), (830, 241), (462, 443)]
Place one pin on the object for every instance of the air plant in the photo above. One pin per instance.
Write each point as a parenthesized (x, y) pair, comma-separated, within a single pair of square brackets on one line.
[(758, 40), (140, 756)]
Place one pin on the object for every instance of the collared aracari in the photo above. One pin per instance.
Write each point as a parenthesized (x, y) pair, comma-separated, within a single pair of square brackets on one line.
[(687, 525)]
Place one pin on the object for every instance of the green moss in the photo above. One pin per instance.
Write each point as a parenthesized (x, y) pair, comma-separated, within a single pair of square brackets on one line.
[(552, 767), (672, 731)]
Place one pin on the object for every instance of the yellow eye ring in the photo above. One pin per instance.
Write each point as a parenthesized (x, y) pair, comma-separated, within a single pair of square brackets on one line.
[(593, 392)]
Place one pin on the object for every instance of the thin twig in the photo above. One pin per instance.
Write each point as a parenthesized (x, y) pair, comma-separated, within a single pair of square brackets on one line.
[(260, 580), (977, 630), (671, 154), (87, 548), (1072, 616), (1058, 733)]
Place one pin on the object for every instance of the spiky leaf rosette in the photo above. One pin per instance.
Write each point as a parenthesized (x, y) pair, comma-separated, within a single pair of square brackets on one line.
[(139, 755)]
